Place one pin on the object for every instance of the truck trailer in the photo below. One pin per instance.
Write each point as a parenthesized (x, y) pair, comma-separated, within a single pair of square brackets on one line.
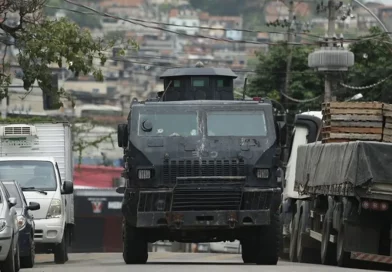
[(336, 198)]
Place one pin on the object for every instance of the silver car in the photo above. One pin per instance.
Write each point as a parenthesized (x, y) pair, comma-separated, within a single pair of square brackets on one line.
[(9, 232)]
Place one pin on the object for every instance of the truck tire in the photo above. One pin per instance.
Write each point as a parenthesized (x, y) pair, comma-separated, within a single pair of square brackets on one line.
[(29, 260), (60, 250), (8, 265), (328, 249), (293, 239), (283, 242), (342, 257), (135, 247), (304, 254)]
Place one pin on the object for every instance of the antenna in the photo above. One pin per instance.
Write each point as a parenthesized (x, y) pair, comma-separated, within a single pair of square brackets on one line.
[(165, 90)]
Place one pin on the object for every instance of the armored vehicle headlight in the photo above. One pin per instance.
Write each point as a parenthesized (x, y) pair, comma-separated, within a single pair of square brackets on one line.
[(144, 174), (262, 173)]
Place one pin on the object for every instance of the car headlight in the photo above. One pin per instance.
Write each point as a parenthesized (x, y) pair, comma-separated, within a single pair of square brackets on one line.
[(54, 210), (21, 222), (3, 224)]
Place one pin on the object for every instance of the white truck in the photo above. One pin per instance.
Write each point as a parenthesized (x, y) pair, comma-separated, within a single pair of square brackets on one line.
[(39, 156)]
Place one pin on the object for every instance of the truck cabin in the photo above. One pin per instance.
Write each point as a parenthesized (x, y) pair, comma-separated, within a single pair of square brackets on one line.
[(197, 83)]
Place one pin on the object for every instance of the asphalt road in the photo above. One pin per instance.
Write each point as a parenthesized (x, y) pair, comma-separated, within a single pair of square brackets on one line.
[(170, 262)]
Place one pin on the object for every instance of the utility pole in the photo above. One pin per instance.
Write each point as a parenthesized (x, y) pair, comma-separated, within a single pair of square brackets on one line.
[(331, 33), (290, 53), (330, 58)]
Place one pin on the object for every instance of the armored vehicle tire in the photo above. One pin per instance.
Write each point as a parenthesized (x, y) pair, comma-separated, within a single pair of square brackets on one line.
[(135, 247), (265, 249)]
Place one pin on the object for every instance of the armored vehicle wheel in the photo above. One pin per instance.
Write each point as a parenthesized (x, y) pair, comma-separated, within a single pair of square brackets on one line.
[(265, 249), (248, 252), (269, 243), (135, 247)]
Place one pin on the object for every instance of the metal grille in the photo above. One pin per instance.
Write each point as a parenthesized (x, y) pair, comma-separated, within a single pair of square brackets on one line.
[(17, 130), (256, 200), (152, 202), (207, 196), (197, 168)]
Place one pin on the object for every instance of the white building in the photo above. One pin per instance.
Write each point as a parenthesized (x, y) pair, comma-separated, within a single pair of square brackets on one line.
[(186, 20)]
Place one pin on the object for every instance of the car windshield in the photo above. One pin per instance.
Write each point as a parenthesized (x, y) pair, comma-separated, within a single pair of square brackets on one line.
[(236, 123), (36, 174), (168, 124), (13, 191)]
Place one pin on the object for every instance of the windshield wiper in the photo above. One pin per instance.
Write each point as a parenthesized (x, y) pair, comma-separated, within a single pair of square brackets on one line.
[(34, 189)]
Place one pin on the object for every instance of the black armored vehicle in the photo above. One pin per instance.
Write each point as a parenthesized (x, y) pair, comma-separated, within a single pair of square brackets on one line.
[(201, 167)]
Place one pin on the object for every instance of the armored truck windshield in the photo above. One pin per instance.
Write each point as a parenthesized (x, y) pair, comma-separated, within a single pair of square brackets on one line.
[(168, 124), (236, 123), (192, 120)]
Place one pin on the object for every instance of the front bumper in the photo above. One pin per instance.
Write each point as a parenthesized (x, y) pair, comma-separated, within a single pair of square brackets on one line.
[(5, 242), (49, 231), (203, 219), (207, 209)]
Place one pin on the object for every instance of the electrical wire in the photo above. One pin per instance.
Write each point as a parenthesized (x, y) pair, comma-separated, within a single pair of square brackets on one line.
[(104, 14), (141, 22)]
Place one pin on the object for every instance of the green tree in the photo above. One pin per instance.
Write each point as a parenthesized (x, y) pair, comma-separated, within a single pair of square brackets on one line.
[(42, 42), (373, 55), (270, 73)]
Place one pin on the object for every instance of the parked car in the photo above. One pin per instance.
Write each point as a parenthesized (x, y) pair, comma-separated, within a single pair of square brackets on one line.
[(25, 223), (9, 232)]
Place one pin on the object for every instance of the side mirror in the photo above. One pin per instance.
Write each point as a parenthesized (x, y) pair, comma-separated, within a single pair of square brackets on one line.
[(33, 206), (122, 135), (12, 201), (67, 188), (120, 190)]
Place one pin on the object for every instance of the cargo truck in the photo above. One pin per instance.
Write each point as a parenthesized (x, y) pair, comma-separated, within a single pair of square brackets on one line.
[(39, 157), (336, 198)]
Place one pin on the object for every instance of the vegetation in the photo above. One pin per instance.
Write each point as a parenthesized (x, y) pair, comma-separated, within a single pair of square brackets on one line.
[(372, 65), (270, 75), (42, 42)]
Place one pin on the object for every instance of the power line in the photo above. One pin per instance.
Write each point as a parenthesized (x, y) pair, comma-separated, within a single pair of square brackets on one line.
[(141, 22), (185, 26), (104, 14)]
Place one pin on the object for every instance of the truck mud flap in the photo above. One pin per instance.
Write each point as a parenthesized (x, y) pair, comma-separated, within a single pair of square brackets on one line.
[(361, 256)]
